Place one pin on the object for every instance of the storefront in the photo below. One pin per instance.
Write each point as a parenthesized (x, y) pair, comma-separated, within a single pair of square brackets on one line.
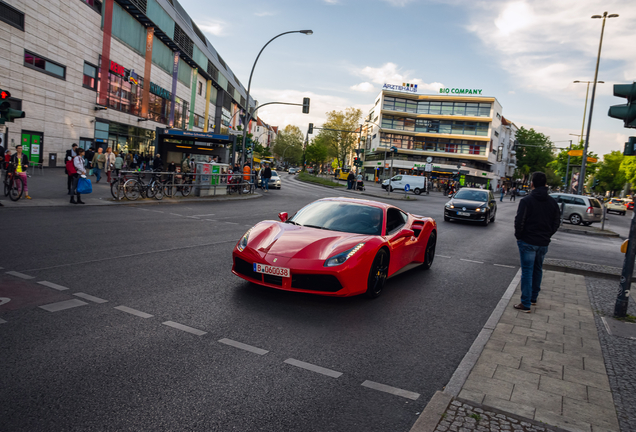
[(124, 138), (173, 145)]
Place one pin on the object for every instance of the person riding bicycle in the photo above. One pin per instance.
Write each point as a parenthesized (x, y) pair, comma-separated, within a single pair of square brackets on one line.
[(20, 162)]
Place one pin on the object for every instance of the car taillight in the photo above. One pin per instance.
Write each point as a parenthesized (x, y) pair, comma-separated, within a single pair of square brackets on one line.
[(590, 210)]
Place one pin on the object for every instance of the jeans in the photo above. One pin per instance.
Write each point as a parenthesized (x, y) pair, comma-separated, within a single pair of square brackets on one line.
[(501, 198), (349, 184), (266, 183), (98, 173), (531, 271)]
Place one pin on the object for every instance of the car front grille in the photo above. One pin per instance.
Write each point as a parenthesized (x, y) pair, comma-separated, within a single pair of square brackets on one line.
[(273, 280), (316, 282), (246, 269)]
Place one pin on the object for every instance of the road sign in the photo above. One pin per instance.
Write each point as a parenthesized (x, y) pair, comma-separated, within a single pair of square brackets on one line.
[(576, 153), (428, 167), (3, 129), (407, 187), (592, 160), (429, 159)]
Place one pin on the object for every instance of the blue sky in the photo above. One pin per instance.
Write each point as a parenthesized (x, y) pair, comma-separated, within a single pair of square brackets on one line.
[(524, 53)]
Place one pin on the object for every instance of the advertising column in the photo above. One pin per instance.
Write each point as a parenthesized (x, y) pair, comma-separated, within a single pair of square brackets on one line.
[(173, 102), (103, 77), (145, 95), (208, 89), (193, 97)]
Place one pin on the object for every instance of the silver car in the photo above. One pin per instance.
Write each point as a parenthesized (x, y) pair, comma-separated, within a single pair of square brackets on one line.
[(274, 181), (579, 209)]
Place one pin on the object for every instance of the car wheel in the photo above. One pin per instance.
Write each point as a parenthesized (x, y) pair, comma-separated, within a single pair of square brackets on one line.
[(416, 191), (623, 213), (429, 254), (391, 188), (492, 219), (486, 220), (575, 219), (378, 274)]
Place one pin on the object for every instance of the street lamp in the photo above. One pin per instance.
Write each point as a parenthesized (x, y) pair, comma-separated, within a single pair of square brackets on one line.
[(585, 107), (589, 122), (249, 86)]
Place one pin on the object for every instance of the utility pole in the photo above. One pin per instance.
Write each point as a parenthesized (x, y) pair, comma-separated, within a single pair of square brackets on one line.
[(620, 309), (567, 170)]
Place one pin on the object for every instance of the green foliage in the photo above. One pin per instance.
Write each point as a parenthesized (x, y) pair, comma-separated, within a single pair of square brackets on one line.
[(535, 158), (289, 143), (610, 173), (340, 144), (560, 162), (303, 176), (554, 179), (317, 152), (629, 168)]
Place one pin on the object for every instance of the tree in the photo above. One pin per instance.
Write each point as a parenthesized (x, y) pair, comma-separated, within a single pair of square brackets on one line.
[(629, 168), (289, 142), (317, 152), (534, 152), (609, 174), (560, 162), (553, 178), (341, 144)]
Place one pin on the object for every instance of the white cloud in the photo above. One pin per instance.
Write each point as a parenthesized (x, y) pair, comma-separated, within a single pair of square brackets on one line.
[(391, 74), (398, 3), (363, 87), (264, 14), (331, 1), (215, 27)]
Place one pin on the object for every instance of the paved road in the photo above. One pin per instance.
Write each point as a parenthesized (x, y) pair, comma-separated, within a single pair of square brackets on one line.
[(129, 364)]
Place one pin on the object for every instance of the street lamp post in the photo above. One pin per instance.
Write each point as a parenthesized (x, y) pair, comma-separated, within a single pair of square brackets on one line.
[(249, 86), (585, 107), (589, 122)]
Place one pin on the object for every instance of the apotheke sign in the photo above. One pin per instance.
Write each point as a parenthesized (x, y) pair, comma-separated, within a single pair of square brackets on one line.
[(406, 87), (460, 91)]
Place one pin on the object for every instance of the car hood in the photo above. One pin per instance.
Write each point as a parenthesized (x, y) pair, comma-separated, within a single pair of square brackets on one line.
[(471, 205), (293, 241)]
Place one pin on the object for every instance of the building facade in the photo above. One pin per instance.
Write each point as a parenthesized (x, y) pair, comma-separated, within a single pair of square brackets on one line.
[(506, 154), (460, 132), (138, 76)]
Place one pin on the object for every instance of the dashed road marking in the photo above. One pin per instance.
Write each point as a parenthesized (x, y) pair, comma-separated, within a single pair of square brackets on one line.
[(53, 285), (2, 321), (175, 214), (66, 304), (207, 215), (313, 368), (442, 256), (20, 275), (243, 346), (184, 328), (506, 266), (392, 390), (232, 223), (133, 311), (193, 217), (90, 297), (472, 261)]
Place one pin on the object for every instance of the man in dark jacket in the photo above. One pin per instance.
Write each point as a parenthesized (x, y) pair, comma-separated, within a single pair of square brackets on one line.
[(538, 218), (157, 163), (266, 174), (70, 154), (350, 179)]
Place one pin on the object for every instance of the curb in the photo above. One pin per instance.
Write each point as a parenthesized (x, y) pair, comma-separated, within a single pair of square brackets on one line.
[(584, 272), (363, 193), (606, 233), (430, 417)]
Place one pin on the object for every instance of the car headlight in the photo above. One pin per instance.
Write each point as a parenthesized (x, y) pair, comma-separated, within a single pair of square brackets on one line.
[(242, 244), (478, 209), (336, 260), (450, 205)]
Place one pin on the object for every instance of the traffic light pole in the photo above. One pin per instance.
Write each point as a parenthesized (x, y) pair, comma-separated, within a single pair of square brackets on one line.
[(567, 170), (620, 309)]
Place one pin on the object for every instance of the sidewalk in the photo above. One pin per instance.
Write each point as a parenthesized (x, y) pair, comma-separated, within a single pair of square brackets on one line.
[(544, 370), (49, 190)]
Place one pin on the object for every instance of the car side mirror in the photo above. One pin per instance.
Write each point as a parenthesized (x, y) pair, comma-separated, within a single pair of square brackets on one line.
[(283, 216), (405, 232)]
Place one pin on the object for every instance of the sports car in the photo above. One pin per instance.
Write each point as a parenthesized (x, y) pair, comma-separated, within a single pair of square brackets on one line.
[(335, 247)]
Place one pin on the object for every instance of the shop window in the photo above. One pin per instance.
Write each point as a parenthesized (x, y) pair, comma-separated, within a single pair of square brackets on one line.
[(90, 76), (200, 88), (41, 64), (158, 109), (96, 5), (11, 16), (474, 149)]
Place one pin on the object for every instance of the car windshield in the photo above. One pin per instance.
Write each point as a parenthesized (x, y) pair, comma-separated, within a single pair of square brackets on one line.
[(341, 216), (616, 202), (472, 195), (274, 173)]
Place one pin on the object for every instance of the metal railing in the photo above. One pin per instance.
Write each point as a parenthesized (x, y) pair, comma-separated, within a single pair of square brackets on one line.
[(134, 185)]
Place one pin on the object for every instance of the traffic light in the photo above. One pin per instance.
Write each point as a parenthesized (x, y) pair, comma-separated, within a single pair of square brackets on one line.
[(305, 105), (394, 149), (595, 183), (630, 147), (626, 112), (8, 114), (311, 128)]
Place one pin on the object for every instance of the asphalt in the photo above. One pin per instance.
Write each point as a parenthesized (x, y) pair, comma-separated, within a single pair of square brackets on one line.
[(94, 367)]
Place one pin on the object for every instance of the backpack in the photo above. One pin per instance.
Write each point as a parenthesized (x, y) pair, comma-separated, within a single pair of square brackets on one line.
[(70, 167)]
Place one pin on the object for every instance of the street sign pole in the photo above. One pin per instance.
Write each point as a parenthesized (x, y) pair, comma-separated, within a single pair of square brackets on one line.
[(390, 175), (620, 309)]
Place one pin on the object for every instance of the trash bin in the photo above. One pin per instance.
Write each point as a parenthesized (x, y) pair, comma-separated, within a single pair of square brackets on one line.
[(52, 160)]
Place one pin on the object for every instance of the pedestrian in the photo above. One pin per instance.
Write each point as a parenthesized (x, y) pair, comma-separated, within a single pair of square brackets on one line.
[(21, 163), (350, 179), (172, 167), (88, 157), (7, 159), (119, 164), (513, 194), (109, 164), (99, 159), (80, 168), (157, 163), (266, 174), (538, 218), (70, 154), (503, 192), (247, 174)]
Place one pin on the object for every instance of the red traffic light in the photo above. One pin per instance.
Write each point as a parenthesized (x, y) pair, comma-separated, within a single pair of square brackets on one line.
[(4, 94)]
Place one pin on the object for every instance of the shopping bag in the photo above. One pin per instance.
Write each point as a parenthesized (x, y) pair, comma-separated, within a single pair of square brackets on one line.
[(90, 172), (84, 186)]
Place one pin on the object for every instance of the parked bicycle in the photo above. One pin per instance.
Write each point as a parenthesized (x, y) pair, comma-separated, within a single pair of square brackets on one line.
[(134, 188), (13, 187)]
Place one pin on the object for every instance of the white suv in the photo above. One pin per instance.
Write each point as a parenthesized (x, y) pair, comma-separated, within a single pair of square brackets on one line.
[(616, 205)]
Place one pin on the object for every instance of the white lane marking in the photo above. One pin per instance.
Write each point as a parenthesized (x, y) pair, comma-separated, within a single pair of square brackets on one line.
[(184, 328), (52, 285), (90, 297), (442, 256), (392, 390), (232, 223), (506, 266), (606, 325), (175, 214), (66, 304), (243, 346), (156, 211), (20, 275), (313, 368), (4, 300), (2, 321), (203, 215), (248, 225), (211, 220), (193, 217), (467, 260), (133, 311)]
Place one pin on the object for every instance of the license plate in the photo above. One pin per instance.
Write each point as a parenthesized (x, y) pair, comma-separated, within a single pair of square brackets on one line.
[(463, 214), (271, 270)]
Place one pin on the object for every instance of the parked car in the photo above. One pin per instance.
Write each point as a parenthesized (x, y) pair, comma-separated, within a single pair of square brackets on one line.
[(471, 204), (616, 205), (579, 209), (629, 204), (416, 183), (292, 171)]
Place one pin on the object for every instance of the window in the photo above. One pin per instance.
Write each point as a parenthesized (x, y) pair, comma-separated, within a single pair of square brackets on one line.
[(95, 4), (39, 63), (496, 133), (200, 88), (11, 16), (90, 76), (578, 201), (395, 220)]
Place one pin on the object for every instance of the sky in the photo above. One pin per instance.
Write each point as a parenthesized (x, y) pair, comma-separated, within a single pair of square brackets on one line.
[(524, 53)]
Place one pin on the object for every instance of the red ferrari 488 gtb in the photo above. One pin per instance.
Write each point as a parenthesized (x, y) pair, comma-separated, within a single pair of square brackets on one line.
[(335, 247)]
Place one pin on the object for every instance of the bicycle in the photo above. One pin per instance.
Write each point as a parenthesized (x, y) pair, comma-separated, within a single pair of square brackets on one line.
[(134, 188), (13, 187), (117, 187), (183, 184)]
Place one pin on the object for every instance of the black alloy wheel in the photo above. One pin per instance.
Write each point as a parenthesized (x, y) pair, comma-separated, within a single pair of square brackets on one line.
[(492, 219), (378, 274), (486, 220), (429, 254)]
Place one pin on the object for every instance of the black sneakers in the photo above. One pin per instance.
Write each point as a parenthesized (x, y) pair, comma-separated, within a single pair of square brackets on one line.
[(522, 308)]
